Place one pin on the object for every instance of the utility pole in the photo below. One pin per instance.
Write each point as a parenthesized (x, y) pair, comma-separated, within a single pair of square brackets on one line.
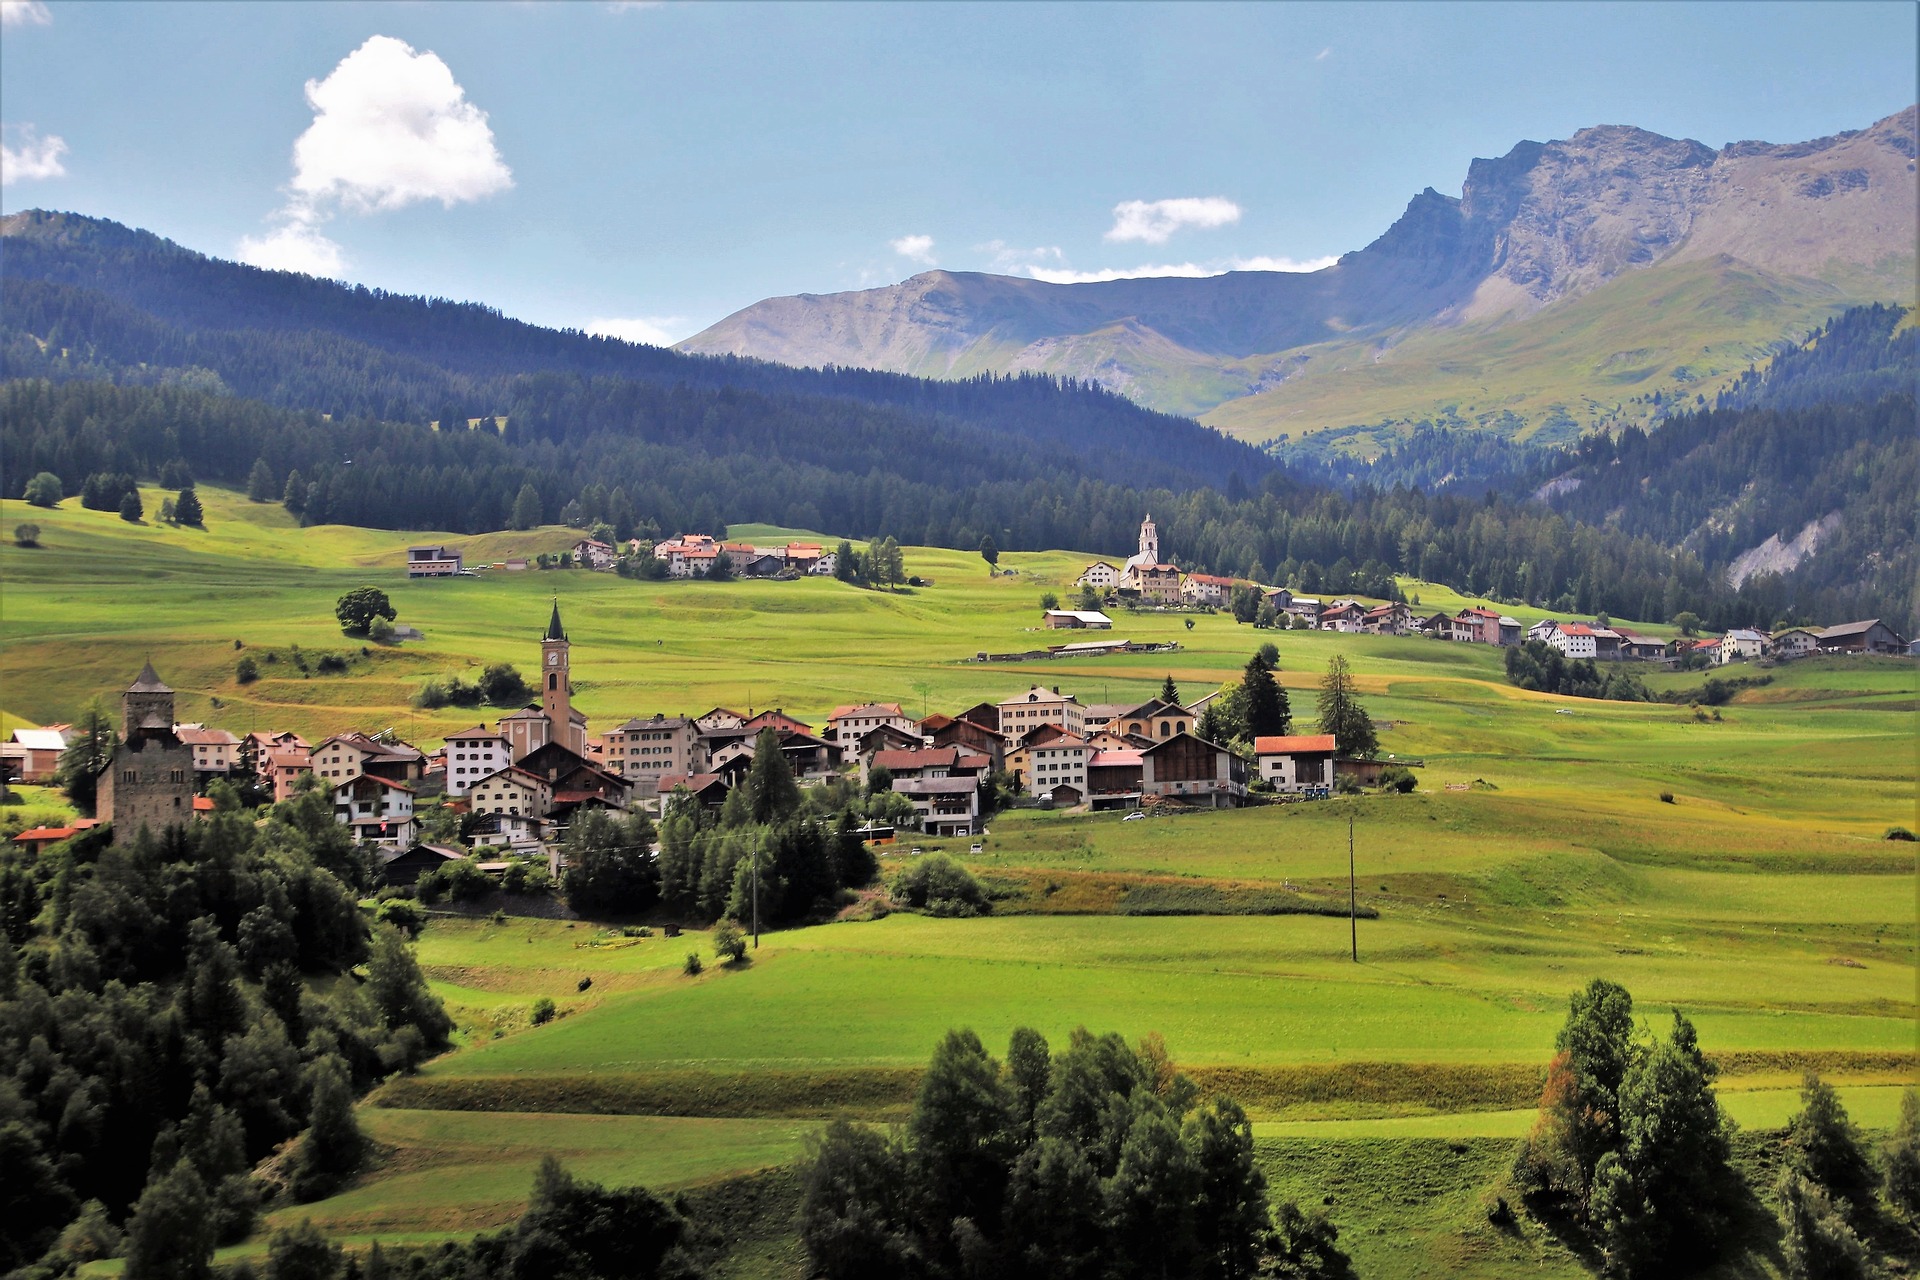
[(1353, 918)]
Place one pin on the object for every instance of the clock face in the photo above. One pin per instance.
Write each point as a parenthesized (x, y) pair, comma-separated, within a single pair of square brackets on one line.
[(553, 659)]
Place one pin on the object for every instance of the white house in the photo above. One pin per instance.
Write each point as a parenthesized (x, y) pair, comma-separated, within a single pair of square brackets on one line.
[(379, 811), (214, 750), (1298, 764), (1741, 645), (1023, 713), (1099, 575), (473, 754), (1575, 639), (513, 792), (1061, 762), (1206, 588), (847, 727)]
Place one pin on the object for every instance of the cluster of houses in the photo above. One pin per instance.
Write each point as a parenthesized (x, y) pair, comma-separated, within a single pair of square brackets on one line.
[(689, 555)]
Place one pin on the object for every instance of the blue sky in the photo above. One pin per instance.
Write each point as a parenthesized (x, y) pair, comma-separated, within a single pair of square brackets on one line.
[(649, 168)]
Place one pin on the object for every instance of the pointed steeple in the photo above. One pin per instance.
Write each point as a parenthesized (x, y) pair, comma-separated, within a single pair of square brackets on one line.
[(554, 630), (149, 681)]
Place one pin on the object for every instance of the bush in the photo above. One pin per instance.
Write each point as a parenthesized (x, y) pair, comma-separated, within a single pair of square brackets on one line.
[(246, 671), (380, 631), (332, 664), (458, 880), (729, 943), (402, 914), (1899, 833), (44, 490), (940, 886), (542, 1011), (26, 535), (1666, 797), (693, 967), (1398, 779)]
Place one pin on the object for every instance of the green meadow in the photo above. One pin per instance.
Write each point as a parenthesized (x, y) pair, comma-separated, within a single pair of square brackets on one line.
[(1539, 852)]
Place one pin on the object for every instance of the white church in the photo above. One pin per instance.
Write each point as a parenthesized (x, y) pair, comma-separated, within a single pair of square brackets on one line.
[(1144, 571)]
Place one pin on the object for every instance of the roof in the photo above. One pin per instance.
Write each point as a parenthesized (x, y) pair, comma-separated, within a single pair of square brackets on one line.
[(907, 758), (444, 851), (657, 722), (203, 804), (205, 737), (289, 755), (1210, 579), (868, 709), (374, 777), (1156, 707), (148, 682), (1475, 611), (39, 835), (1293, 745), (526, 776), (1747, 634), (40, 739), (554, 630), (936, 786), (1850, 629), (1088, 616), (1113, 758), (694, 782), (1098, 564)]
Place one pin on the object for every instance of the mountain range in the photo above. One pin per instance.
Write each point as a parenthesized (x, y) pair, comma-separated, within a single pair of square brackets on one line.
[(1571, 284)]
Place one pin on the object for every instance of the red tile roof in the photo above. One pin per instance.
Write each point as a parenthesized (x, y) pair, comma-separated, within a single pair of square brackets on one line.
[(1294, 745)]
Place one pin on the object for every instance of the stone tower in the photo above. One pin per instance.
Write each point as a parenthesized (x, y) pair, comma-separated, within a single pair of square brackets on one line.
[(150, 782), (1149, 541)]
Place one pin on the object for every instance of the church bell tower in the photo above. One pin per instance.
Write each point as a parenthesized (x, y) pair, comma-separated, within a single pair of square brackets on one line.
[(1149, 541), (556, 685)]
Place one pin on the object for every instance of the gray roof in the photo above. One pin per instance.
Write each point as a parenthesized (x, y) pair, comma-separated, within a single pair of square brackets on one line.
[(148, 681)]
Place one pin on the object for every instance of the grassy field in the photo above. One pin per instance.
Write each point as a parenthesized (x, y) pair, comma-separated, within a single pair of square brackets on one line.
[(1762, 899)]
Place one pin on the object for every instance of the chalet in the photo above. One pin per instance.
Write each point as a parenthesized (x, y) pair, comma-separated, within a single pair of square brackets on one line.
[(514, 792), (803, 557), (473, 754), (848, 726), (591, 553), (1111, 739), (37, 752), (1387, 620), (985, 714), (1154, 720), (761, 563), (1298, 765), (1193, 771), (434, 562), (1343, 615), (708, 790), (1075, 620), (887, 738), (718, 719), (1278, 597), (927, 762), (1305, 607), (348, 755), (777, 720), (947, 731), (1099, 575), (406, 866), (1114, 778), (1206, 589), (215, 751), (688, 556), (521, 833), (1022, 714), (1741, 645), (37, 840), (1509, 630), (644, 751), (1438, 626), (1542, 629), (1794, 642), (1871, 636), (947, 806), (826, 566), (378, 810), (1642, 648), (574, 779)]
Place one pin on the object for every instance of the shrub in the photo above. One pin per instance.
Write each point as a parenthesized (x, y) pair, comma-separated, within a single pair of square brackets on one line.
[(380, 631), (332, 664), (402, 914), (693, 967), (1666, 797), (26, 535), (542, 1011), (1398, 779), (1899, 833), (729, 943), (459, 880), (940, 886), (44, 490)]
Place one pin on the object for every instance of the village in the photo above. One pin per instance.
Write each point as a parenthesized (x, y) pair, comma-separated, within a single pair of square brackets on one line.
[(517, 785)]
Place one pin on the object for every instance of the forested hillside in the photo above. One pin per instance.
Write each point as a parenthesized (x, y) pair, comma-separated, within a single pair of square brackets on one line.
[(353, 406)]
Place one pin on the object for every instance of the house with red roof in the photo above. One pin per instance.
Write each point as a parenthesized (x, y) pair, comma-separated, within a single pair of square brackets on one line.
[(1296, 764)]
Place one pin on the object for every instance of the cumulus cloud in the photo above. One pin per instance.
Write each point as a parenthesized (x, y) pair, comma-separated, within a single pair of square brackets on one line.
[(391, 128), (915, 248), (24, 13), (652, 331), (35, 157), (1177, 270), (1154, 221)]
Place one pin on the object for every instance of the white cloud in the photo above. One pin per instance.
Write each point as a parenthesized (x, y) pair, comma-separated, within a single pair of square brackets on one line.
[(1153, 221), (391, 128), (916, 248), (35, 157), (632, 6), (1324, 54), (295, 245), (1007, 258), (1180, 270), (653, 331), (24, 13)]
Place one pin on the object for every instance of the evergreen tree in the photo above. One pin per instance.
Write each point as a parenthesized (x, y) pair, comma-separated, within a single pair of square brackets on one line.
[(1824, 1147), (990, 552), (1341, 713), (171, 1233), (1900, 1159), (773, 795), (294, 498), (1262, 702), (131, 508), (846, 563), (186, 509), (1169, 691), (260, 486), (526, 507), (90, 746), (331, 1150)]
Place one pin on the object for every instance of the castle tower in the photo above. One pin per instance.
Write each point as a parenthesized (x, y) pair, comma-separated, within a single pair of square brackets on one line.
[(1149, 541), (146, 705), (150, 781)]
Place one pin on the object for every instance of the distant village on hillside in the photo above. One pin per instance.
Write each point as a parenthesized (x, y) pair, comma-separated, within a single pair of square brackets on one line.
[(518, 784)]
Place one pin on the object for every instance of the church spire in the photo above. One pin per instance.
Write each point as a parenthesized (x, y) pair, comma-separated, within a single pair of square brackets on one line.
[(554, 630)]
